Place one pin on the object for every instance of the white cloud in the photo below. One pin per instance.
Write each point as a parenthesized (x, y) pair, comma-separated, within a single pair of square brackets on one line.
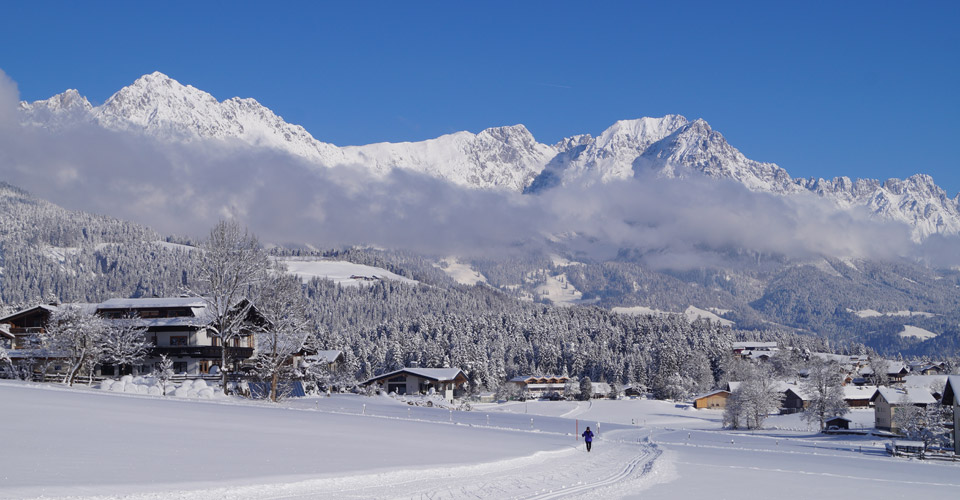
[(185, 188)]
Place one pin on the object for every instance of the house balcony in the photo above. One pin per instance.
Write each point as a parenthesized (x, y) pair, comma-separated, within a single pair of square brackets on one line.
[(201, 351), (26, 330)]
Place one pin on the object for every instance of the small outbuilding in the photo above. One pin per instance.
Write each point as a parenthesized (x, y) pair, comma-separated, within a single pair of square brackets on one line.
[(837, 423), (716, 400)]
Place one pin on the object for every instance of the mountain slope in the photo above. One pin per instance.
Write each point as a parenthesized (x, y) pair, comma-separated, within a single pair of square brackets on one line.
[(507, 158)]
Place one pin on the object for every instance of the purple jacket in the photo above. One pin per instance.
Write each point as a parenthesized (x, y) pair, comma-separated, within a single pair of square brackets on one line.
[(587, 436)]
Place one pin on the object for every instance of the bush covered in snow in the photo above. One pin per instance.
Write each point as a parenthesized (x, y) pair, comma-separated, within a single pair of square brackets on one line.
[(195, 389)]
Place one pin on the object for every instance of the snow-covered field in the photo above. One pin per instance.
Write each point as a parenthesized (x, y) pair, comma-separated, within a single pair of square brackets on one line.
[(86, 443), (344, 273), (871, 313), (560, 291), (916, 331), (460, 272), (692, 313)]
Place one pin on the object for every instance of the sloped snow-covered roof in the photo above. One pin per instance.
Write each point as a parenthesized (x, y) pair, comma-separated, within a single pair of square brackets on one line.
[(924, 380), (854, 392), (153, 302), (754, 345), (539, 379), (909, 395), (711, 393), (324, 356), (600, 387), (85, 306), (435, 374), (176, 321), (795, 388)]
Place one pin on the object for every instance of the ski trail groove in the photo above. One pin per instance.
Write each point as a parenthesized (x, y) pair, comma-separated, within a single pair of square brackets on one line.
[(646, 459)]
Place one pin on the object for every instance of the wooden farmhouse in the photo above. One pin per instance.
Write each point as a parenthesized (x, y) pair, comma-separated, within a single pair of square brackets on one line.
[(895, 373), (858, 396), (599, 390), (330, 359), (714, 400), (951, 396), (794, 400), (25, 326), (180, 328), (537, 387), (444, 381), (887, 400)]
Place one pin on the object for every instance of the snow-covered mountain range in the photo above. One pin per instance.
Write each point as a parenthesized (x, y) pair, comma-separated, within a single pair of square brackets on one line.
[(507, 158)]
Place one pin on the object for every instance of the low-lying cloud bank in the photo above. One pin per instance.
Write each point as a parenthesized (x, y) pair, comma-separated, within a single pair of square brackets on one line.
[(185, 188)]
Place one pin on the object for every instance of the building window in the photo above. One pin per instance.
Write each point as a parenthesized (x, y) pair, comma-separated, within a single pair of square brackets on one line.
[(178, 340), (179, 366)]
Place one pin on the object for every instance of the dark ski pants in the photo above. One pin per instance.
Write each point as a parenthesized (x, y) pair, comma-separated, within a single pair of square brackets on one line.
[(588, 445)]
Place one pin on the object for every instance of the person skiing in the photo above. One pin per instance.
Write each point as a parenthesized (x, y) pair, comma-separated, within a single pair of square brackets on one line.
[(588, 438)]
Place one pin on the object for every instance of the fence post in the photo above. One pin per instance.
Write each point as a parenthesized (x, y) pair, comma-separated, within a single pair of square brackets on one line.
[(363, 411)]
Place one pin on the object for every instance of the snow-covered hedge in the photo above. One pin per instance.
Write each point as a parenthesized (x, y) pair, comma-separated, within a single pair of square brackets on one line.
[(196, 389)]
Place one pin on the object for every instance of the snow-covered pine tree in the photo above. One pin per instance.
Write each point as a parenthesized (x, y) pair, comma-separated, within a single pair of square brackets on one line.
[(586, 389)]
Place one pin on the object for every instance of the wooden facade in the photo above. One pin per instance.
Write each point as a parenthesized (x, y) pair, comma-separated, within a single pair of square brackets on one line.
[(443, 381), (886, 402), (179, 328), (951, 396), (715, 400), (540, 386)]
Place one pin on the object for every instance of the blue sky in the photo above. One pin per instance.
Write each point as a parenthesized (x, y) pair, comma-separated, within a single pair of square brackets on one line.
[(864, 89)]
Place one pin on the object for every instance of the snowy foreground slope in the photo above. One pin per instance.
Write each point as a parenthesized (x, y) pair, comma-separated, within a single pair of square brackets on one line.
[(83, 443)]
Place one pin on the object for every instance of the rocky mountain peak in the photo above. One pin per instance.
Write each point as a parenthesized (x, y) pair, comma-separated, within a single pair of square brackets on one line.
[(496, 158)]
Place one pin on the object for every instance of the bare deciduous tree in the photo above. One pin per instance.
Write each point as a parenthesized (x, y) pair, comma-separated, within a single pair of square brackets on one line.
[(75, 335), (824, 387), (755, 398), (232, 265), (881, 370), (124, 342), (284, 330)]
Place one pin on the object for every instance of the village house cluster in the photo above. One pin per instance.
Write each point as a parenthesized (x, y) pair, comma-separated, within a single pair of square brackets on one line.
[(181, 329), (897, 386)]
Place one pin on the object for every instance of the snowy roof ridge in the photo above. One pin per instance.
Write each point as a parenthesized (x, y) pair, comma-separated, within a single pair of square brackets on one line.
[(912, 395), (438, 374), (152, 302)]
